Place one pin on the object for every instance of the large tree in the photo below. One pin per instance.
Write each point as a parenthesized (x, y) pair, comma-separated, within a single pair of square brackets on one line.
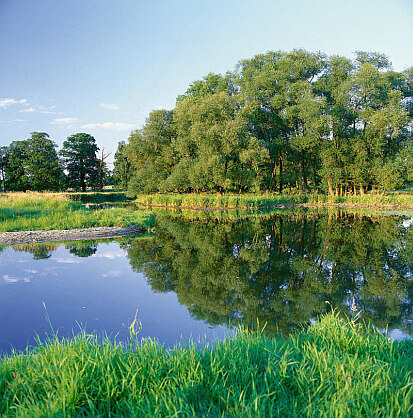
[(32, 164), (80, 161), (43, 166)]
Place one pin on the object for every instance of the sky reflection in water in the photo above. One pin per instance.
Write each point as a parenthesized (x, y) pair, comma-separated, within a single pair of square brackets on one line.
[(99, 292)]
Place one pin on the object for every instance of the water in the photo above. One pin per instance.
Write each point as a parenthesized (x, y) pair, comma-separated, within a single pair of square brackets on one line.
[(194, 277)]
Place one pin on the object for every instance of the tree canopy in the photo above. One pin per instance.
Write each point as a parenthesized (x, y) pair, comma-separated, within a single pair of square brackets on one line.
[(80, 161), (282, 121), (32, 164)]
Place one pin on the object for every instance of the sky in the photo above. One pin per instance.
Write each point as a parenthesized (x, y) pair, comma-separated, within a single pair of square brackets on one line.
[(100, 66)]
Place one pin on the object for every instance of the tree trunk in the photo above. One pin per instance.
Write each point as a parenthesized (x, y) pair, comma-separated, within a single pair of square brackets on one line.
[(303, 177), (313, 166), (330, 188), (280, 162), (82, 182)]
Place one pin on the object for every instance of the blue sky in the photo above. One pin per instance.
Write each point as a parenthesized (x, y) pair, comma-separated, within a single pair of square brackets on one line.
[(100, 66)]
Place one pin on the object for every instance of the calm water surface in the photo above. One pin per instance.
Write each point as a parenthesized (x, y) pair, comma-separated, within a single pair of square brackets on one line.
[(195, 276)]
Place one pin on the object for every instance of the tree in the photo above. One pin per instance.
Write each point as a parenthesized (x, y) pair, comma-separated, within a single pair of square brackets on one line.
[(151, 154), (15, 170), (103, 171), (32, 164), (80, 161), (122, 166), (220, 153), (43, 166)]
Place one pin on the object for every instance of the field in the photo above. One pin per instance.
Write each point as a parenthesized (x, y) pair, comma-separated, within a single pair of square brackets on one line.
[(335, 368), (45, 211)]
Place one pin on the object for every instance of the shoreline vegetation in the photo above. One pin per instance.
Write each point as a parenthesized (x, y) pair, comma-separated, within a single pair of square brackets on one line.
[(337, 367), (268, 201), (40, 211)]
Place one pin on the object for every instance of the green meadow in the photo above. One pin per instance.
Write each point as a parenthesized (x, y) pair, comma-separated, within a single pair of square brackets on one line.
[(335, 368), (46, 211)]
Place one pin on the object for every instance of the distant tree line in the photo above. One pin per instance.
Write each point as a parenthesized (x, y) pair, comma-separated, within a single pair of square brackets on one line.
[(35, 164), (281, 121)]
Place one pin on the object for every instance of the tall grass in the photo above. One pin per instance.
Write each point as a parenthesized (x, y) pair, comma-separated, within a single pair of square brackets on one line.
[(45, 211), (333, 369), (260, 201)]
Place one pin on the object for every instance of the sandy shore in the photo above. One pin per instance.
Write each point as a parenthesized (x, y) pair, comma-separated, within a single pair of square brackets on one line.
[(24, 237)]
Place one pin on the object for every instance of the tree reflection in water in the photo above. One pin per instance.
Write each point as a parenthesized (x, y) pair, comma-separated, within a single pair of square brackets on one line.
[(281, 269)]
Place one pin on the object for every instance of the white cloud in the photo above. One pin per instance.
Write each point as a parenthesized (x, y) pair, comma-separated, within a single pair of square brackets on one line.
[(8, 102), (63, 260), (112, 273), (40, 109), (109, 254), (13, 121), (63, 121), (114, 126), (110, 106), (13, 279)]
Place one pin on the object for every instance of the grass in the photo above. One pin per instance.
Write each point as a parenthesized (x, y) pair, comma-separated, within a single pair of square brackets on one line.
[(45, 211), (261, 201), (335, 368)]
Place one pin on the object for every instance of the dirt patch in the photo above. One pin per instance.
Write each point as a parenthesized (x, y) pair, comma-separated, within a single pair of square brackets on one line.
[(25, 237)]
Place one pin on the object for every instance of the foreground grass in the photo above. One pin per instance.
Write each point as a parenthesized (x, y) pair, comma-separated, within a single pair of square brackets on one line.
[(333, 369), (261, 201), (45, 211)]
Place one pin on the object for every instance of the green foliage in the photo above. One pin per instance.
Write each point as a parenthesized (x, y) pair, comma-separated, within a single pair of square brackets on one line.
[(282, 121), (32, 164), (335, 368), (122, 166), (80, 161), (150, 153), (15, 173), (43, 164)]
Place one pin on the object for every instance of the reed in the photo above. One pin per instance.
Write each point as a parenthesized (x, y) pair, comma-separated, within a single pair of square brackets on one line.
[(335, 368), (261, 201)]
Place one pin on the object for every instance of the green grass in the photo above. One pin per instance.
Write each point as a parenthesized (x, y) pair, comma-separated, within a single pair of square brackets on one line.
[(333, 369), (45, 211), (261, 201)]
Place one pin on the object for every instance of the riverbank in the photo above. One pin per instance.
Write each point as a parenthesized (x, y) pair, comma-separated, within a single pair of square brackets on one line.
[(27, 237), (33, 211), (268, 201), (332, 369)]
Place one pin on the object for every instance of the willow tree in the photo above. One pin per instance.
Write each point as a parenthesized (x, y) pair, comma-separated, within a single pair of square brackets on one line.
[(287, 116), (150, 153), (215, 148)]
